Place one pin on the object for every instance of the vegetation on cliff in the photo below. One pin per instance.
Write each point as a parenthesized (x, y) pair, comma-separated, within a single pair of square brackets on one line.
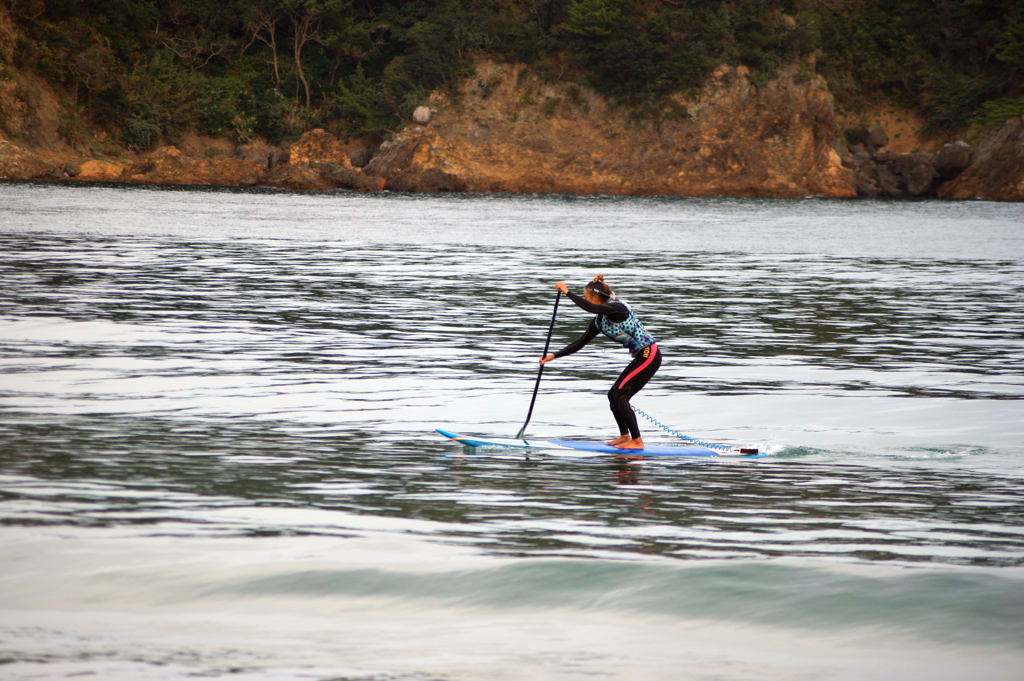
[(244, 69)]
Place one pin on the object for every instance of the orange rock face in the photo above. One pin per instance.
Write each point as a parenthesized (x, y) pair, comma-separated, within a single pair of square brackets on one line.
[(100, 171), (513, 133), (17, 163), (169, 165), (318, 146)]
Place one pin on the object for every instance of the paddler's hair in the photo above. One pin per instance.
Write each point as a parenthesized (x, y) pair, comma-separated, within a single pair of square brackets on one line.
[(600, 288)]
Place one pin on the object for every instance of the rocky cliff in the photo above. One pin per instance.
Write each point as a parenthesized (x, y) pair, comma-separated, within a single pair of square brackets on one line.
[(510, 131), (507, 130)]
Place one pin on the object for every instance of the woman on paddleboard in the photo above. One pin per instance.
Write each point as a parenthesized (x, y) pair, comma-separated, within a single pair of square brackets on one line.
[(615, 320)]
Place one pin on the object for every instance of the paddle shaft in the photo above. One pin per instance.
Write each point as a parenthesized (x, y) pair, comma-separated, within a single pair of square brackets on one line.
[(541, 372)]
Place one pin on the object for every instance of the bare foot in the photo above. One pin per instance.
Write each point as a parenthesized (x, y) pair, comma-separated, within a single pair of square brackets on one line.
[(619, 440), (635, 443)]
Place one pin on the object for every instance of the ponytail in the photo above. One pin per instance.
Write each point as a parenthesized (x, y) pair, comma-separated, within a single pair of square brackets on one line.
[(599, 287)]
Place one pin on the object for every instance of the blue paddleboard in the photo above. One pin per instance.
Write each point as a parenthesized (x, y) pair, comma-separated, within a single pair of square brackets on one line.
[(597, 447)]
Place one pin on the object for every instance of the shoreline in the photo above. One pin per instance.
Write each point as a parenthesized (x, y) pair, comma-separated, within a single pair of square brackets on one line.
[(261, 188)]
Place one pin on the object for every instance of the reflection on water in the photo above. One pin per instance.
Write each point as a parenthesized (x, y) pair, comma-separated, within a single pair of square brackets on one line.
[(101, 472)]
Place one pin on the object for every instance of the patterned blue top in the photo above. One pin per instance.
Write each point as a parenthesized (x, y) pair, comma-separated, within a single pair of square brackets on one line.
[(630, 332), (615, 320)]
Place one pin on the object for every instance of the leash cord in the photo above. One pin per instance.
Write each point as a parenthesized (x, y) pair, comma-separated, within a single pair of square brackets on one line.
[(678, 435)]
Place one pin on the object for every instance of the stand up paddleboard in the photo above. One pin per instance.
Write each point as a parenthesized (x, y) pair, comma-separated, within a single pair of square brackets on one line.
[(598, 447)]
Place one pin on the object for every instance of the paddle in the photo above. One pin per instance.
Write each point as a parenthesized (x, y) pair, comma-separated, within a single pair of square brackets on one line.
[(541, 372)]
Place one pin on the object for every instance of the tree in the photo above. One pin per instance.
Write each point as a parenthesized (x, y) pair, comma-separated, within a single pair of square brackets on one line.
[(309, 24), (593, 18), (196, 33), (262, 19)]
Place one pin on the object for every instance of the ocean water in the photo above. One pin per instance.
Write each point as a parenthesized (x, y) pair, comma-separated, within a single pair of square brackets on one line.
[(218, 458)]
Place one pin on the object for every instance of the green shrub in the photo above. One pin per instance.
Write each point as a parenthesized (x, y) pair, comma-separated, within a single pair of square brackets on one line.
[(173, 97), (360, 103), (139, 135), (950, 99), (996, 111), (523, 33), (644, 61), (593, 18), (227, 110), (270, 111)]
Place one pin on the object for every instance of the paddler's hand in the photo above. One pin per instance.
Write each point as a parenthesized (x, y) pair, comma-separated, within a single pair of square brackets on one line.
[(562, 287), (546, 358)]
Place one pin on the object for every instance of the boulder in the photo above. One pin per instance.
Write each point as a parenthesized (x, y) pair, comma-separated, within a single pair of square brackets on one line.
[(866, 187), (360, 157), (318, 146), (866, 177), (421, 115), (888, 182), (904, 164), (887, 156), (953, 159), (400, 163), (72, 168), (914, 173), (860, 156), (100, 171), (262, 153), (19, 164), (876, 138), (998, 168), (393, 157), (917, 174)]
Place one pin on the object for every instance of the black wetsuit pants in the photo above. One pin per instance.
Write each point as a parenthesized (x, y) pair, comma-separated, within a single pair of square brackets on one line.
[(629, 382)]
